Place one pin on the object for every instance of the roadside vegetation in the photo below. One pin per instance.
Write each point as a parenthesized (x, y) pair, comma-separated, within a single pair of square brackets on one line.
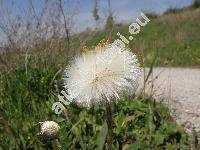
[(172, 38)]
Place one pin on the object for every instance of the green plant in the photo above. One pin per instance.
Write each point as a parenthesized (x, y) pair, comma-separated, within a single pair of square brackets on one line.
[(26, 99), (151, 15), (174, 10), (196, 3), (138, 122)]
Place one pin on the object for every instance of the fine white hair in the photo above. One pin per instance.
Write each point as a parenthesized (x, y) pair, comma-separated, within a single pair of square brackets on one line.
[(102, 75)]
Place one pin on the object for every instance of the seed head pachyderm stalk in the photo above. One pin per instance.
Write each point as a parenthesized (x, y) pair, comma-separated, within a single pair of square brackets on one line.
[(101, 77)]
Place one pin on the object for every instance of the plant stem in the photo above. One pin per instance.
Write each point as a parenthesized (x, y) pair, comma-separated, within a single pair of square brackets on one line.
[(109, 120)]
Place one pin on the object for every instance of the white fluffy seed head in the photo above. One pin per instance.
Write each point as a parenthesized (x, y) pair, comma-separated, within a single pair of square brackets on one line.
[(49, 130), (105, 74)]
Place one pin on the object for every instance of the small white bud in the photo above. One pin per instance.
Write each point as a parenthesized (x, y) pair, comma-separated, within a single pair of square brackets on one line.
[(49, 130)]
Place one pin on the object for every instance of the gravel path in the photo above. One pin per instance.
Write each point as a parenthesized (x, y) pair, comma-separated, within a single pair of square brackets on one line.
[(180, 88)]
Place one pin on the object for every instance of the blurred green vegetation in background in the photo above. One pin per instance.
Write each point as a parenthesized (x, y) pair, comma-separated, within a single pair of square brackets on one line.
[(172, 38), (196, 3)]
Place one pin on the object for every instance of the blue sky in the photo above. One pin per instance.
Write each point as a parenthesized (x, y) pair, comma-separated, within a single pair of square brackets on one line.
[(124, 11)]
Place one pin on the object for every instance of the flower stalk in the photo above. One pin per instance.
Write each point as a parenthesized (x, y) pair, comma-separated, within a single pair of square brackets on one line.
[(109, 120)]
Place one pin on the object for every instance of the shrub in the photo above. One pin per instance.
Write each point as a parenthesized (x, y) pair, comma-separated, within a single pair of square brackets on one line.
[(173, 10), (151, 15), (196, 3)]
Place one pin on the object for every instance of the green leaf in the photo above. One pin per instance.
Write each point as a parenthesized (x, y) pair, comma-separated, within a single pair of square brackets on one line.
[(60, 119), (134, 146), (159, 139), (101, 138)]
